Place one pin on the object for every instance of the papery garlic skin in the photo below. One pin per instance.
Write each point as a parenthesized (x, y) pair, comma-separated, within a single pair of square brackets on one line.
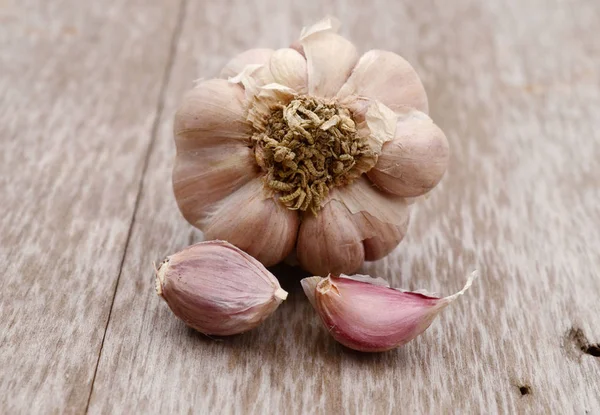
[(218, 289), (322, 129), (369, 316)]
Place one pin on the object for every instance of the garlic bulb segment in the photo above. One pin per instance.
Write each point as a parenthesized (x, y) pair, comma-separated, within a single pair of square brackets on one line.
[(249, 57), (330, 242), (381, 221), (385, 238), (363, 197), (255, 223), (387, 77), (370, 317), (211, 112), (218, 289), (357, 223), (203, 178), (416, 159), (330, 60), (213, 158), (288, 68)]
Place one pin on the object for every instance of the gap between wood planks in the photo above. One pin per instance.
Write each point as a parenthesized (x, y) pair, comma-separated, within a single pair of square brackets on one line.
[(153, 133)]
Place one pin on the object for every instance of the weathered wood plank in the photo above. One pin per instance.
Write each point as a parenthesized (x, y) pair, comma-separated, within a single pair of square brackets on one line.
[(79, 86), (515, 86)]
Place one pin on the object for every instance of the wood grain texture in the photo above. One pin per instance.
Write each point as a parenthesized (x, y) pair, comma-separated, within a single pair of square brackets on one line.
[(79, 85), (516, 88)]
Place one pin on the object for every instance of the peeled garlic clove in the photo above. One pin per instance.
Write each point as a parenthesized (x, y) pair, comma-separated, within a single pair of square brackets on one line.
[(370, 317), (218, 289), (415, 160)]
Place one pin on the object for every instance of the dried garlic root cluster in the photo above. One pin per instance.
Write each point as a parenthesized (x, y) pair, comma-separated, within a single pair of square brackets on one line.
[(311, 149)]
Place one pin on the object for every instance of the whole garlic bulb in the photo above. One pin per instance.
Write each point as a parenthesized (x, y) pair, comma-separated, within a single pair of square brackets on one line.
[(218, 289), (312, 147)]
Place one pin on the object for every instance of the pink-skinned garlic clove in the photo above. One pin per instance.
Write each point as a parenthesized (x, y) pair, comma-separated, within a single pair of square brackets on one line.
[(365, 314), (217, 288)]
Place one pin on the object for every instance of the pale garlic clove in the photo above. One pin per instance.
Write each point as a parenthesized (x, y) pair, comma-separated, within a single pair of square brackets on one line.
[(370, 317), (415, 161), (288, 68), (366, 204), (218, 289), (211, 112), (330, 59), (386, 77), (387, 238), (255, 223), (357, 223), (213, 157), (382, 222), (328, 24), (203, 178), (330, 242), (236, 65)]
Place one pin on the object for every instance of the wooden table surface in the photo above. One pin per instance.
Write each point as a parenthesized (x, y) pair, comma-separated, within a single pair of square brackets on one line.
[(87, 96)]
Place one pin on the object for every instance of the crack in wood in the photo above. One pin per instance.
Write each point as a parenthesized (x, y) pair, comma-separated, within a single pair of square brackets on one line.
[(576, 337), (153, 133)]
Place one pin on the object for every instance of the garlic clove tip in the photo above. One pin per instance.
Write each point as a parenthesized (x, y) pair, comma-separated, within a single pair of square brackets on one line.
[(369, 316)]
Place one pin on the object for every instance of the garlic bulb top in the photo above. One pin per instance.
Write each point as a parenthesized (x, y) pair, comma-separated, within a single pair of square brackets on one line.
[(312, 147)]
